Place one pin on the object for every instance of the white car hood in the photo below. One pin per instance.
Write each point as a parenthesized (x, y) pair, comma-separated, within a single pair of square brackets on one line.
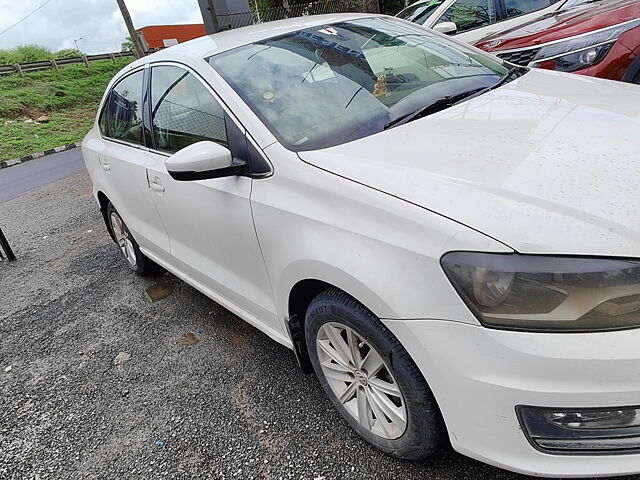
[(549, 163)]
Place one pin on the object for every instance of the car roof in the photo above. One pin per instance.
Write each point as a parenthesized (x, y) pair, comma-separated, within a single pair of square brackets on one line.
[(219, 42)]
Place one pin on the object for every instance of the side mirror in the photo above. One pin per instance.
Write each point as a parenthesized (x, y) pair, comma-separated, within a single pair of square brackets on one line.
[(446, 27), (202, 161)]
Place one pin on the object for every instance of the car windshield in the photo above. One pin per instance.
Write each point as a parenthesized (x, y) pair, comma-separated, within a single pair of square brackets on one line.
[(419, 12), (331, 84)]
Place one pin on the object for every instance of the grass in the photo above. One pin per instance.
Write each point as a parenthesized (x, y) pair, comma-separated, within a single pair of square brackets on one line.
[(70, 115)]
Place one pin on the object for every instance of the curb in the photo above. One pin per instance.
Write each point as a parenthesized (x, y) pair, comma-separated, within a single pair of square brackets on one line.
[(18, 161)]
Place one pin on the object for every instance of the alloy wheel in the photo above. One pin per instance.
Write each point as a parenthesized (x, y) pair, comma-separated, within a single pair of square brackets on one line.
[(361, 380), (123, 238)]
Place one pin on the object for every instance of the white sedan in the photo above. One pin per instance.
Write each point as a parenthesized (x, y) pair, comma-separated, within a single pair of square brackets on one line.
[(471, 20), (450, 243)]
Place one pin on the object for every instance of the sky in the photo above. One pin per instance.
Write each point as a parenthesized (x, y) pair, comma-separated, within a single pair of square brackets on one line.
[(98, 22)]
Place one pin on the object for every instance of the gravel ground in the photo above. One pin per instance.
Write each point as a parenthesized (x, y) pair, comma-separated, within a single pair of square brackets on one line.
[(104, 374)]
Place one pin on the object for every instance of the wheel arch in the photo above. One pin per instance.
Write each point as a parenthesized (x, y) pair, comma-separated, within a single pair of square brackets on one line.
[(300, 296), (104, 201)]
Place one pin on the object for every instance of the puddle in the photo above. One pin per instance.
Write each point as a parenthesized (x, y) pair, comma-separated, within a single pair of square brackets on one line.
[(187, 340), (238, 341), (158, 291)]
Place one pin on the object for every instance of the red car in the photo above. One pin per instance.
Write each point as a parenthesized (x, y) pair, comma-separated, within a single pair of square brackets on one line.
[(601, 39)]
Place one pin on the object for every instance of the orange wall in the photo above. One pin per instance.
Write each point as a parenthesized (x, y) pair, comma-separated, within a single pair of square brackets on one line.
[(155, 34)]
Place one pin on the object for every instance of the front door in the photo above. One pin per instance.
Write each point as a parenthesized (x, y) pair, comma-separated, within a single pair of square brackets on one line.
[(209, 222)]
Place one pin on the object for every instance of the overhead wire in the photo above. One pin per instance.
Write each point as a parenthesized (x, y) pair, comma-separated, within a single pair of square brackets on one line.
[(24, 18)]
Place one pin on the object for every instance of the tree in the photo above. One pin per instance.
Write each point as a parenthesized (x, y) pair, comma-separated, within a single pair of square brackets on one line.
[(35, 53), (127, 45), (269, 10), (67, 53), (25, 54), (391, 7), (30, 53), (5, 57)]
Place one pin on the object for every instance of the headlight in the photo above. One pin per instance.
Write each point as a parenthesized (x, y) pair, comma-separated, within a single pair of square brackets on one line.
[(583, 50), (582, 59), (546, 293)]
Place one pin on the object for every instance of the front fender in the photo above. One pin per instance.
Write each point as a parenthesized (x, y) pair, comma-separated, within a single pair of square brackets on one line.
[(381, 250), (311, 269)]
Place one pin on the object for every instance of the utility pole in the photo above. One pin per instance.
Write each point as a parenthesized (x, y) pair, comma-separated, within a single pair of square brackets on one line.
[(139, 51)]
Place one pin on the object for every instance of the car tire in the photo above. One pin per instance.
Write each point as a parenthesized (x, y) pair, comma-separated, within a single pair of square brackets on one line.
[(128, 246), (334, 315)]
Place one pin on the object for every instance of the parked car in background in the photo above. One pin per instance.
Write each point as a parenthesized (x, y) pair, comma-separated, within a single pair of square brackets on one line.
[(601, 39), (442, 237), (471, 20)]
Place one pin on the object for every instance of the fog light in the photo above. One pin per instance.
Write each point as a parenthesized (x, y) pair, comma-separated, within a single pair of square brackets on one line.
[(581, 430), (628, 417)]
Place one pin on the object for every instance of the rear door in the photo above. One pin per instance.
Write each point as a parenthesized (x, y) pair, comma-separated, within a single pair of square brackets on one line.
[(122, 154), (209, 222)]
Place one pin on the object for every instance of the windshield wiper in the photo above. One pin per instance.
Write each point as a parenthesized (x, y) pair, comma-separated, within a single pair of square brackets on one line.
[(450, 100), (507, 76), (436, 106)]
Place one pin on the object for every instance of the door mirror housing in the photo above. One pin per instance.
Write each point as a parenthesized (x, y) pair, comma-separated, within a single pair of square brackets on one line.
[(202, 161), (446, 27)]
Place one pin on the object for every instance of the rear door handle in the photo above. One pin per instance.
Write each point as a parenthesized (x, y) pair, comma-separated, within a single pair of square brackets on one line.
[(156, 185), (105, 165)]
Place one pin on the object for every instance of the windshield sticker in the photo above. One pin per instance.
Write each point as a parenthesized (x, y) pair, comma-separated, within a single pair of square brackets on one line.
[(329, 31), (268, 96)]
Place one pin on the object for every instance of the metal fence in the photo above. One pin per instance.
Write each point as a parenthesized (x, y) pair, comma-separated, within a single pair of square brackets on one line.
[(23, 68), (260, 13)]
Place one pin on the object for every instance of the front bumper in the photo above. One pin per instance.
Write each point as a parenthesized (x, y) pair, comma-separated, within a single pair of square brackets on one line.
[(479, 375)]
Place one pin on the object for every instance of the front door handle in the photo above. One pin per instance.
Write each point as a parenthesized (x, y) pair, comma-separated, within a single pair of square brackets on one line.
[(156, 185)]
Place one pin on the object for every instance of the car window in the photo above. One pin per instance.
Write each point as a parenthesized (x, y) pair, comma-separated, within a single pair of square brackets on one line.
[(470, 14), (102, 120), (121, 117), (516, 8), (419, 12), (183, 111)]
